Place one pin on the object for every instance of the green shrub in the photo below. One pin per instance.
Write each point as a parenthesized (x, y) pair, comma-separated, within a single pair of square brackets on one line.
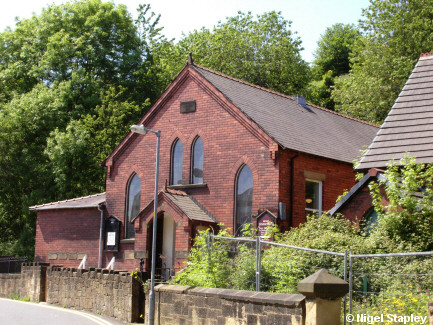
[(207, 266)]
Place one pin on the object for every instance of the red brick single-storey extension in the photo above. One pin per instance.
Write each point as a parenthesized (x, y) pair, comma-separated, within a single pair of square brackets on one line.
[(229, 151)]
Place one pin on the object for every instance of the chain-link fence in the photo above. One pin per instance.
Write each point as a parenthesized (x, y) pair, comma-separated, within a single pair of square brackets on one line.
[(398, 284)]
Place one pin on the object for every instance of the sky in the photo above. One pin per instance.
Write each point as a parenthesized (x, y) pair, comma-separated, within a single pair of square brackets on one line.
[(310, 18)]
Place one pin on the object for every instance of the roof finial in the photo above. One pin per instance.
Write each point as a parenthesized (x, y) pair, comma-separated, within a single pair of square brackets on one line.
[(190, 60)]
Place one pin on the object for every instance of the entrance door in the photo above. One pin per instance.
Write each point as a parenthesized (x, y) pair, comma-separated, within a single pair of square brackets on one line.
[(164, 247), (168, 247)]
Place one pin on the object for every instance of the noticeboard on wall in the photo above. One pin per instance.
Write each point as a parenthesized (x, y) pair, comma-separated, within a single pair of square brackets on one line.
[(112, 234), (265, 220)]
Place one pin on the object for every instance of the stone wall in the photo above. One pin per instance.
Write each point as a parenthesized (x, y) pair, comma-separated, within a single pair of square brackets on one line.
[(113, 294), (188, 305), (10, 284), (29, 283)]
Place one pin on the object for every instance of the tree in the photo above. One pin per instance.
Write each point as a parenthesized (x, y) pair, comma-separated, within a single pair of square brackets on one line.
[(331, 60), (262, 51), (71, 81), (319, 91), (333, 50), (25, 122), (396, 32)]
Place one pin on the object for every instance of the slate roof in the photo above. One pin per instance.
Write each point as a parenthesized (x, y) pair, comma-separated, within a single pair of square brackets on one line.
[(187, 203), (309, 129), (409, 125), (190, 206), (91, 201)]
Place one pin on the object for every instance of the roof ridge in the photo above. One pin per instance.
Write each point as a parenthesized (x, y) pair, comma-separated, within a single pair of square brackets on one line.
[(175, 192), (67, 200), (281, 94)]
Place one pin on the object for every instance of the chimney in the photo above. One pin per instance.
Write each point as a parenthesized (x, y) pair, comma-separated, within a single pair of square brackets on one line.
[(301, 100)]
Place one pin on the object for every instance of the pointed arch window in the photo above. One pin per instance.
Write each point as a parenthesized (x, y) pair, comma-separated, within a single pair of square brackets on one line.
[(176, 163), (197, 161), (369, 221), (132, 204), (243, 198)]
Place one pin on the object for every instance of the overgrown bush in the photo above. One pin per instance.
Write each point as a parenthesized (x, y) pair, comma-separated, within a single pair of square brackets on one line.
[(404, 202), (229, 264)]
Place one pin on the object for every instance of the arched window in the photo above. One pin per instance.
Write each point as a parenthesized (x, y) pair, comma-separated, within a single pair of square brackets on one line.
[(176, 163), (197, 161), (132, 204), (244, 198), (369, 221)]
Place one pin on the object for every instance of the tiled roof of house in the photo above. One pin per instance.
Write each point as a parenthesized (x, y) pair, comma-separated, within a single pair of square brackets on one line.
[(186, 203), (191, 207), (91, 201), (308, 128), (409, 125)]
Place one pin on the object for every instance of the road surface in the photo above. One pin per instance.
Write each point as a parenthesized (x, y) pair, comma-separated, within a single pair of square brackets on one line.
[(14, 312)]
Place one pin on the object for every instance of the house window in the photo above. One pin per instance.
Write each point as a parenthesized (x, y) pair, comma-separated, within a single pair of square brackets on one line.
[(313, 197), (132, 204), (197, 161), (244, 198), (176, 163)]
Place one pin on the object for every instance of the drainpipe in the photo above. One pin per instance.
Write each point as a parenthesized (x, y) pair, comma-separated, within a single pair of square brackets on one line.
[(292, 183), (101, 229)]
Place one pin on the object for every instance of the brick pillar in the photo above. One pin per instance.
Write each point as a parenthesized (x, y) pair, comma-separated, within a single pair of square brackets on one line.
[(323, 292)]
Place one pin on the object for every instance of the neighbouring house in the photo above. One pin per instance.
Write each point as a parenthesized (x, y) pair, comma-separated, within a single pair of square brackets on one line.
[(231, 153), (408, 129)]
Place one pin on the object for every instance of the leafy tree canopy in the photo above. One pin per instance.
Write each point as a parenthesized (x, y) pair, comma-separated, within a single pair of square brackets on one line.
[(333, 50), (72, 80), (396, 32), (262, 51)]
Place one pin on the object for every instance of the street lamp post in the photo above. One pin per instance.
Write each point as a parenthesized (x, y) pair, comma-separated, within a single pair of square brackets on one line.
[(140, 129)]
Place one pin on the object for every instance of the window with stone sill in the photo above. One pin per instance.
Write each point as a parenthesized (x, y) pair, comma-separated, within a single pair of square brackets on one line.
[(313, 197)]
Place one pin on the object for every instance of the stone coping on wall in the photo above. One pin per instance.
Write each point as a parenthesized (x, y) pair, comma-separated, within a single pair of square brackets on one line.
[(281, 299)]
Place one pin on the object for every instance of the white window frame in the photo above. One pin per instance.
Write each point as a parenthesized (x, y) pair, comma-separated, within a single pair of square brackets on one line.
[(320, 194)]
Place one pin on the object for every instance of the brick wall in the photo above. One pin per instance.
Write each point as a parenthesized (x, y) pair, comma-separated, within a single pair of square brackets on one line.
[(227, 145), (358, 205), (188, 305), (337, 177), (64, 236)]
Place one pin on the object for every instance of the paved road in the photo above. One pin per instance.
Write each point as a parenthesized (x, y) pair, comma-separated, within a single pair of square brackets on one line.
[(13, 312)]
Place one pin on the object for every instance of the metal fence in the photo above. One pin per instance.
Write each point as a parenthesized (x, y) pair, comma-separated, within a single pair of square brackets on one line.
[(375, 280), (9, 264), (394, 284)]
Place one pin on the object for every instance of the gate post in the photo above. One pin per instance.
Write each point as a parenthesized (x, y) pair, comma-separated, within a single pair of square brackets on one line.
[(323, 293)]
